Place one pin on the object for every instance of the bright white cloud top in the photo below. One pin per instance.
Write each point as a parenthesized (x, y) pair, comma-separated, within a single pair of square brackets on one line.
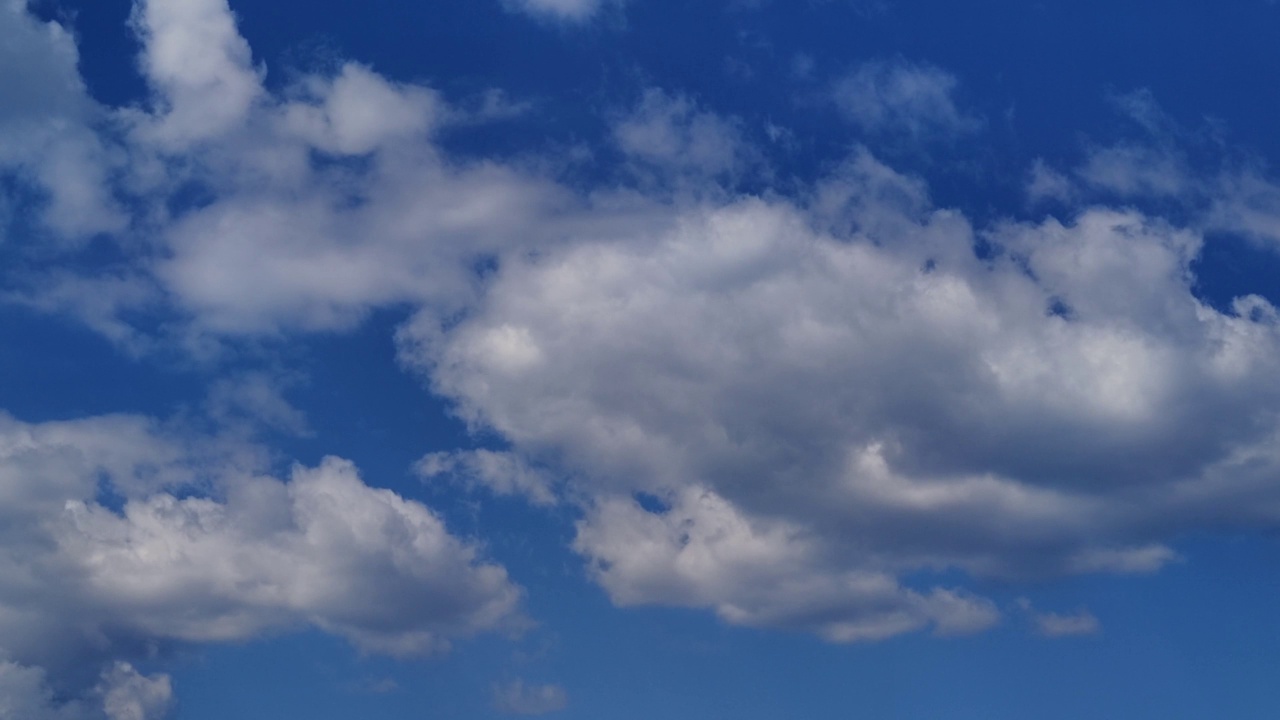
[(802, 411)]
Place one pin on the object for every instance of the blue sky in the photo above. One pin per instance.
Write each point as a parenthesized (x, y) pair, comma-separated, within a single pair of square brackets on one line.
[(634, 358)]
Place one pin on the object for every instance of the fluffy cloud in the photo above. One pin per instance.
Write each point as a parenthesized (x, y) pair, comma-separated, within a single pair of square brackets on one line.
[(127, 695), (670, 133), (122, 694), (790, 411), (901, 98), (824, 399), (44, 137), (200, 67), (315, 205), (704, 552), (324, 201), (121, 539)]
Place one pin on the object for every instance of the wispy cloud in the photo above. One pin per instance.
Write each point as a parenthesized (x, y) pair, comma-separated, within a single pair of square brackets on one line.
[(896, 97), (520, 698), (570, 11), (1060, 625)]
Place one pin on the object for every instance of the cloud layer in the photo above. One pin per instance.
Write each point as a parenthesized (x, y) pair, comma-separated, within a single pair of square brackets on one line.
[(794, 411)]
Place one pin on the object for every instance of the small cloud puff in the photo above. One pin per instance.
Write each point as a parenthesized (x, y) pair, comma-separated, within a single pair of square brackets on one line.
[(1059, 625), (901, 98), (570, 11), (520, 698), (669, 132)]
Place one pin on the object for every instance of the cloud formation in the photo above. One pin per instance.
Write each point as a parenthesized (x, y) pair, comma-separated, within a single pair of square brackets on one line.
[(794, 411), (121, 538), (45, 136), (670, 133), (121, 694), (1060, 625), (899, 98), (826, 397)]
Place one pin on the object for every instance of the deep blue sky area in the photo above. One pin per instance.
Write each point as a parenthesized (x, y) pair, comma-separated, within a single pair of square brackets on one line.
[(658, 336)]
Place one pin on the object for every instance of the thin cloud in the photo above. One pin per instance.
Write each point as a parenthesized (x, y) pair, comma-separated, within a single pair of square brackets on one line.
[(520, 698), (896, 97)]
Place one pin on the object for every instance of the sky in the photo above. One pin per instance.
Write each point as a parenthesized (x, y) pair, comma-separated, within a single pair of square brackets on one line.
[(887, 359)]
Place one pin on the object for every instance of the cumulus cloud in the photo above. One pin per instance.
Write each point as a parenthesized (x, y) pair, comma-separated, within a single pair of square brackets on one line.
[(794, 412), (826, 398), (704, 552), (24, 694), (319, 203), (44, 136), (901, 98), (122, 538), (326, 200), (127, 695), (520, 698), (199, 65), (122, 693)]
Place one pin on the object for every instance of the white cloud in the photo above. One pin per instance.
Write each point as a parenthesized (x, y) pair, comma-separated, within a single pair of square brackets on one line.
[(902, 98), (43, 136), (257, 399), (1246, 202), (121, 694), (1137, 170), (1045, 183), (829, 397), (520, 698), (358, 112), (127, 695), (824, 396), (200, 67), (704, 552), (199, 547), (670, 133), (326, 200), (24, 694)]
